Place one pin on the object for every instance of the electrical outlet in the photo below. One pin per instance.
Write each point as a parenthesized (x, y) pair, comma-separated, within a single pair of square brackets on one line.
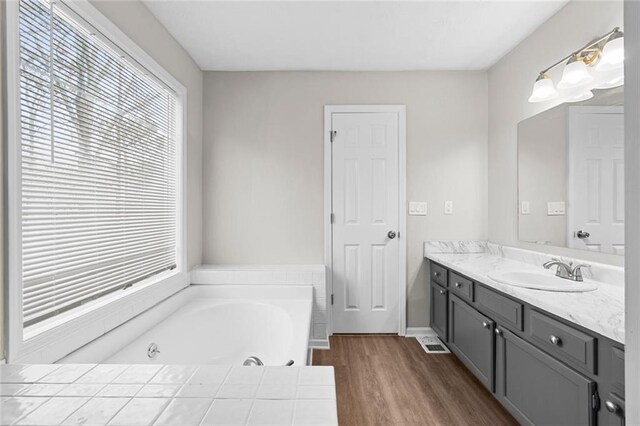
[(448, 207), (417, 208), (524, 208)]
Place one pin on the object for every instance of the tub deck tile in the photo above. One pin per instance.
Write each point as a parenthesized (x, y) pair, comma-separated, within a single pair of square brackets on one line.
[(210, 374), (198, 391), (75, 394)]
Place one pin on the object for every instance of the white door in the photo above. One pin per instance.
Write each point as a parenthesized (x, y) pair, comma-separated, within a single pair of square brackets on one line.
[(596, 179), (365, 222)]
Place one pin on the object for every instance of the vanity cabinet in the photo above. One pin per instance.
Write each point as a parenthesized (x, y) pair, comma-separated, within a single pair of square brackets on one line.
[(471, 339), (439, 310), (542, 368), (536, 388)]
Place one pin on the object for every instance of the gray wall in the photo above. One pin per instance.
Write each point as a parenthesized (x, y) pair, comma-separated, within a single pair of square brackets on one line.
[(133, 18), (510, 83), (263, 150)]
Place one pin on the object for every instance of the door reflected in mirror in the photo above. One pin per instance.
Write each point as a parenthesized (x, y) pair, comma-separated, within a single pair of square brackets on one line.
[(571, 175)]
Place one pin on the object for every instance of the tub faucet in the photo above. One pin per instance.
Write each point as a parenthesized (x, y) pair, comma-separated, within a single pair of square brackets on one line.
[(566, 270)]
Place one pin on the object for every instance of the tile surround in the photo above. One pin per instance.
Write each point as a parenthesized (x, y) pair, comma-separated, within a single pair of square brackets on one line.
[(279, 396), (314, 275)]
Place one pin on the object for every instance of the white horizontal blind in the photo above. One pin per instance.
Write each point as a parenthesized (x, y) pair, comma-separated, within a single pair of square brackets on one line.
[(98, 169)]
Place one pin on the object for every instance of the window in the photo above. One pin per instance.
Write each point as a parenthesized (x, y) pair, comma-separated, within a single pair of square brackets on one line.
[(98, 168)]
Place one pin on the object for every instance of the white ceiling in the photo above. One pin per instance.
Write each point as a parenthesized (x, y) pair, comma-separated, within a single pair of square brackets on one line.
[(350, 35)]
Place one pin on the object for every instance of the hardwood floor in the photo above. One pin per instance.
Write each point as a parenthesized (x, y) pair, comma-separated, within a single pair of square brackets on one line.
[(390, 380)]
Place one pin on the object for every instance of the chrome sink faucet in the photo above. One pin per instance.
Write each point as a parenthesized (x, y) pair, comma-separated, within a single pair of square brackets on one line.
[(567, 270)]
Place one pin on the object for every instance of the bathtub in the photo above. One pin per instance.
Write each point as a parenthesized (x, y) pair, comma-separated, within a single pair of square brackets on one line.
[(218, 324)]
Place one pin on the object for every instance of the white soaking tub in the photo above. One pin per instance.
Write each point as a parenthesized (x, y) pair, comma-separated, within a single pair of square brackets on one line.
[(218, 324)]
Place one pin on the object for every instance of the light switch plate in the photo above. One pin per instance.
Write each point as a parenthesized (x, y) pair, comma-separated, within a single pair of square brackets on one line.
[(524, 207), (448, 207), (417, 208), (556, 208)]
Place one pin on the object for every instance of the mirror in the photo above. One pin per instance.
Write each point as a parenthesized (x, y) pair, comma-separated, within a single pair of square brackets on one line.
[(571, 175)]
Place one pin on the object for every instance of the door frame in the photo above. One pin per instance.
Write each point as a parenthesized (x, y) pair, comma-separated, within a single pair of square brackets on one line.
[(400, 111)]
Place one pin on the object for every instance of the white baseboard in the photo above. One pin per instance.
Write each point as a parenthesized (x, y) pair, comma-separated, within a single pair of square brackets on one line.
[(420, 331), (319, 344)]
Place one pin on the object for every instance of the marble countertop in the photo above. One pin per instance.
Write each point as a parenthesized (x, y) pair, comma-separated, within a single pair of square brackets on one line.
[(152, 394), (601, 310)]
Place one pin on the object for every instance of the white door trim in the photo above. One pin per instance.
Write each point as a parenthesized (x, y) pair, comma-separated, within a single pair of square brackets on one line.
[(400, 110)]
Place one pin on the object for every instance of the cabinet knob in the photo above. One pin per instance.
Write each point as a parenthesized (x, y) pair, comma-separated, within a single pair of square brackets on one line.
[(555, 340), (485, 324), (441, 291), (458, 285), (498, 332), (436, 274), (612, 407)]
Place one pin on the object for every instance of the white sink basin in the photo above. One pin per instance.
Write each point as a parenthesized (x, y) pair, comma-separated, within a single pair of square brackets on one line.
[(541, 281)]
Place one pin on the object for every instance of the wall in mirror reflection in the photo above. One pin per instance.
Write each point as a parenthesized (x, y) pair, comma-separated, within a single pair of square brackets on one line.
[(571, 175)]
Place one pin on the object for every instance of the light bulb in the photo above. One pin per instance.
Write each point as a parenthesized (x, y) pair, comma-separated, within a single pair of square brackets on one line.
[(575, 74), (543, 89), (613, 53), (609, 79), (581, 97)]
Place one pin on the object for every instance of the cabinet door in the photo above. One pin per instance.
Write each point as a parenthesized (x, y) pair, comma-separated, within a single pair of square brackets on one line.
[(471, 338), (439, 310), (613, 407), (536, 388)]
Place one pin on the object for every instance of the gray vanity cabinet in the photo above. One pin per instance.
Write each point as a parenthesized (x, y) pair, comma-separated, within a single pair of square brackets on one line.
[(536, 388), (544, 369), (439, 309), (471, 338)]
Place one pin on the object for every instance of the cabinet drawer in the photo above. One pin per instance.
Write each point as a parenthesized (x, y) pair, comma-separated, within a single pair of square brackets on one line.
[(501, 308), (438, 274), (461, 286), (565, 342)]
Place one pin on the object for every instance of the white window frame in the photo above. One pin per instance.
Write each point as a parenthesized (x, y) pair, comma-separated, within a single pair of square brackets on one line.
[(66, 332)]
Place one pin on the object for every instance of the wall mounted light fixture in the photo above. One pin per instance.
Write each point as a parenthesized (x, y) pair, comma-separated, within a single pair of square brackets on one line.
[(598, 65)]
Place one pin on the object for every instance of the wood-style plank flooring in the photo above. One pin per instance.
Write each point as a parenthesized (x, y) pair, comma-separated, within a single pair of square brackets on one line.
[(390, 380)]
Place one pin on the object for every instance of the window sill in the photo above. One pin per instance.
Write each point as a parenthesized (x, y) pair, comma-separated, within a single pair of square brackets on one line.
[(57, 337)]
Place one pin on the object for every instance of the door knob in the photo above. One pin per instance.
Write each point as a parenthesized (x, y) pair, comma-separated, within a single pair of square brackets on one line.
[(582, 234), (391, 235)]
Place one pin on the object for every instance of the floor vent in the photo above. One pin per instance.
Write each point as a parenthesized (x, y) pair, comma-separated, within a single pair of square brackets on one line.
[(432, 345)]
